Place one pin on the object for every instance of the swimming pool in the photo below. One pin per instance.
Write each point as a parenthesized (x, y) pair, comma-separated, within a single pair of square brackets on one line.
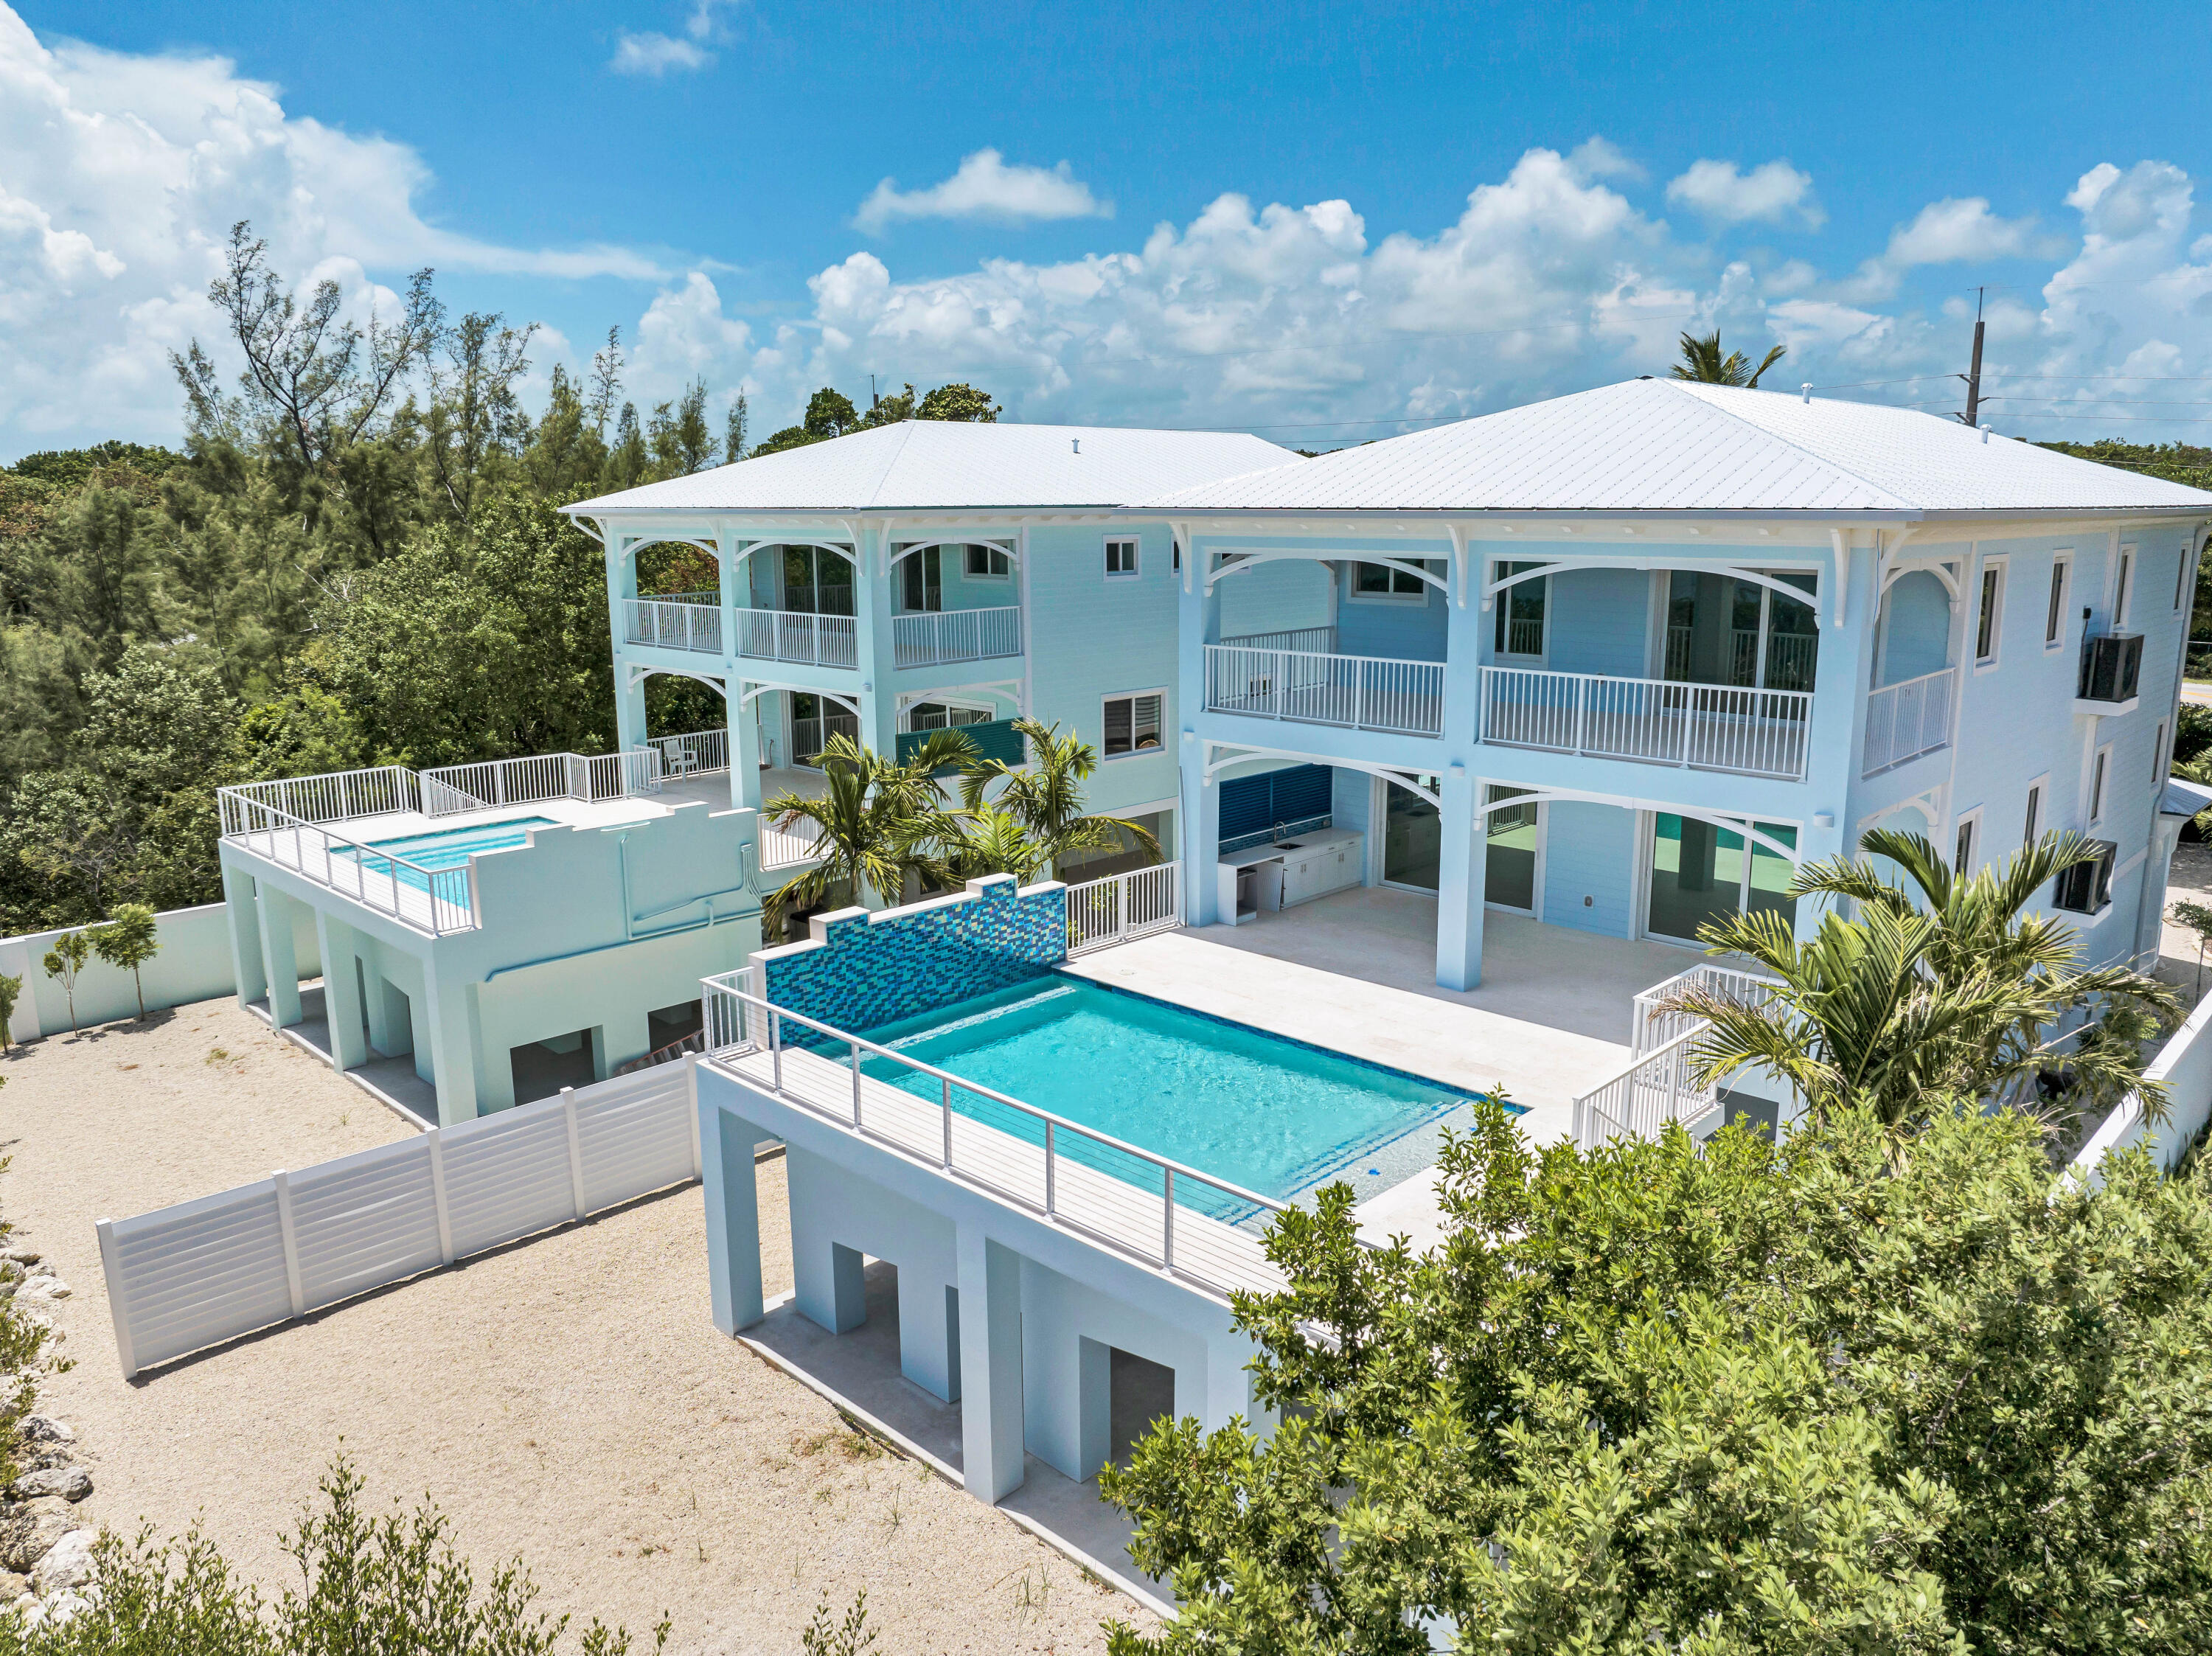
[(451, 848), (1272, 1115)]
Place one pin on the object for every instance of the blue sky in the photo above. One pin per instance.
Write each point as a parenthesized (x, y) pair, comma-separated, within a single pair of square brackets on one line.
[(1322, 222)]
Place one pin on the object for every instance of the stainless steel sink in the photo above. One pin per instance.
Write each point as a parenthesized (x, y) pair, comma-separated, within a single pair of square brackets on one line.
[(1288, 845)]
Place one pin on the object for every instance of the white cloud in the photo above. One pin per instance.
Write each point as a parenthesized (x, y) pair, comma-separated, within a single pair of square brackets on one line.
[(1596, 157), (1772, 192), (985, 188), (647, 52), (1955, 230), (123, 175)]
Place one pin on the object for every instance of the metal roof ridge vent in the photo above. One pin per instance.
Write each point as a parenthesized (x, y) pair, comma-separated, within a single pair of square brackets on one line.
[(1896, 503)]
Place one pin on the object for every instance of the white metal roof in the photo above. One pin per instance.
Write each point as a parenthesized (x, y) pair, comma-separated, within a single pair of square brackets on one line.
[(932, 464), (1669, 445)]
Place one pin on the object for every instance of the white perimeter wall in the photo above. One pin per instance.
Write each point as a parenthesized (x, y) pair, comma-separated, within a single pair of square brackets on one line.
[(2185, 1065), (194, 965)]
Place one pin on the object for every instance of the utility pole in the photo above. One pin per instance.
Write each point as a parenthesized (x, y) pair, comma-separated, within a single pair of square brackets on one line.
[(1974, 375), (876, 402)]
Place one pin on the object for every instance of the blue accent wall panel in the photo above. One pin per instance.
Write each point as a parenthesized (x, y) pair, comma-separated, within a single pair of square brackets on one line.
[(899, 964), (1254, 804), (1588, 853)]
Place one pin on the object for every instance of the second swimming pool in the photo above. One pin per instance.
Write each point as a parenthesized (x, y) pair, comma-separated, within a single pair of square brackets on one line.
[(1272, 1115), (451, 848)]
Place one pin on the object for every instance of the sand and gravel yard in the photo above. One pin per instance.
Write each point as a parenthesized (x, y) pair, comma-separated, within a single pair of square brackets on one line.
[(567, 1400)]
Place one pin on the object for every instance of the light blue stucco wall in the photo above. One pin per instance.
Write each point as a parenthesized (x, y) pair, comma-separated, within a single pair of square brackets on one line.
[(1916, 639), (1278, 597), (1589, 850), (1599, 622), (1404, 628), (193, 965)]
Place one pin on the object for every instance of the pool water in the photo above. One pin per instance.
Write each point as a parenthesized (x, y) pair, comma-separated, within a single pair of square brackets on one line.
[(449, 847), (1258, 1111)]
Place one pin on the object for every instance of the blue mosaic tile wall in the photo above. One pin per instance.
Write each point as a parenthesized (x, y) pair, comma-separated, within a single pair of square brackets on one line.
[(867, 973)]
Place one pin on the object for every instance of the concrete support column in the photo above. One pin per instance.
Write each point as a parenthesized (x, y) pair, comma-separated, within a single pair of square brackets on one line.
[(826, 1282), (622, 586), (1460, 883), (929, 1333), (1228, 1383), (1199, 817), (990, 1366), (451, 1042), (871, 638), (733, 1198), (629, 708), (242, 909), (342, 1001), (279, 959), (1094, 1405), (744, 743)]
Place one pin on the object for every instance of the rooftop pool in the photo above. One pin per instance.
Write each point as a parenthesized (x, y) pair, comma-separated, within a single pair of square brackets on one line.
[(451, 848), (1272, 1115)]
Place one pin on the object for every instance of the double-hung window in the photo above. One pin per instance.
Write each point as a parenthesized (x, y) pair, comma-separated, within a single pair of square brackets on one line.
[(1132, 723), (1121, 560)]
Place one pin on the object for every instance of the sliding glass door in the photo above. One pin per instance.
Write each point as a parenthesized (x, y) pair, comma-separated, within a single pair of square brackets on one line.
[(1412, 839), (1721, 630), (1512, 836), (1700, 875)]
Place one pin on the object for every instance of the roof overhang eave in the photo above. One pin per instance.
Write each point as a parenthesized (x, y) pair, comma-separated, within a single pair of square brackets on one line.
[(1668, 514)]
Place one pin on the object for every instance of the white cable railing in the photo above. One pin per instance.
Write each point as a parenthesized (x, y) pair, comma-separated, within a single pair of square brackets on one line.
[(1123, 906), (1703, 726), (1320, 641), (336, 797), (673, 624), (435, 901), (1368, 693), (1653, 1089), (798, 635), (1204, 1230), (698, 753), (452, 789), (1907, 720), (936, 636)]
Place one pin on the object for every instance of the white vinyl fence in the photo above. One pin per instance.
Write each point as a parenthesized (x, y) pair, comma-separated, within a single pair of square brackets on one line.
[(1656, 1088), (1121, 907), (2185, 1065), (181, 1278)]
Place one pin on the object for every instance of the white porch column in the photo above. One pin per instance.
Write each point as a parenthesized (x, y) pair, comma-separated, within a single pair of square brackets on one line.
[(1460, 880), (1198, 820), (279, 958), (732, 1199), (990, 1366), (341, 1008), (452, 1043), (872, 639), (622, 586)]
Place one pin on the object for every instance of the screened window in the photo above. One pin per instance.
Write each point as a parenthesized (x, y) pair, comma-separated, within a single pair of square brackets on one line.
[(1132, 723), (1121, 560)]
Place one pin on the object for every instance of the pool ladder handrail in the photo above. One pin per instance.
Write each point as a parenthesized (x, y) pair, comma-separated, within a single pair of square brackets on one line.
[(855, 1045)]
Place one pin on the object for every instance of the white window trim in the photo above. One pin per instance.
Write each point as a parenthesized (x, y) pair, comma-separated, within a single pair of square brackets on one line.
[(1136, 557), (2120, 600), (2039, 789), (1968, 822), (1418, 599), (2100, 786), (1106, 758), (2062, 561), (1998, 563)]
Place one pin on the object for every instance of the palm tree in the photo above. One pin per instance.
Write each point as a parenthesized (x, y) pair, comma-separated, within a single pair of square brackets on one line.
[(1043, 799), (878, 820), (1944, 990), (1702, 362)]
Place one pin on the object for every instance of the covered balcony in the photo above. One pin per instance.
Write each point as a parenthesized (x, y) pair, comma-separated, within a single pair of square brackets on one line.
[(955, 602), (1300, 676)]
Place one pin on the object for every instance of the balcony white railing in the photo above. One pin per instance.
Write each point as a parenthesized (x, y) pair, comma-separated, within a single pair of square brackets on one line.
[(453, 789), (1703, 726), (433, 900), (1367, 693), (673, 625), (1524, 637), (1146, 1207), (1123, 906), (1907, 720), (798, 635), (937, 636), (788, 848), (700, 752), (1652, 1090), (1313, 641), (337, 796)]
